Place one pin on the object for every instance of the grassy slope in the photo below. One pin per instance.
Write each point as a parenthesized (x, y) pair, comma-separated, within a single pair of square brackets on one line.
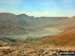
[(66, 24), (66, 38)]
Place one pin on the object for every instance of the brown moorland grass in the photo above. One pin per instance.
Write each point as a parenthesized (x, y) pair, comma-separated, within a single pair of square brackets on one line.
[(64, 39)]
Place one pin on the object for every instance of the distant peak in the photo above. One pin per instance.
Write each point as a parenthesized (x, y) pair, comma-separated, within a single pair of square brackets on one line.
[(23, 15)]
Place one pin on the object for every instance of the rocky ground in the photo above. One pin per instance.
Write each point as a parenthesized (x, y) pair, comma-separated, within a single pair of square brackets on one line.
[(25, 49)]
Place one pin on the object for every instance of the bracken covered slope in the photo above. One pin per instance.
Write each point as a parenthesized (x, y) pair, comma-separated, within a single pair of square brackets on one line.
[(66, 23), (64, 39)]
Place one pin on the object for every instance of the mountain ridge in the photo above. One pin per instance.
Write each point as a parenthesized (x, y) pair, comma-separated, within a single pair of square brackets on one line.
[(24, 21)]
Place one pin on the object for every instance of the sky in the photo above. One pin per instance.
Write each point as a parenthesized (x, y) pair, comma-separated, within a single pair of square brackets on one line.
[(39, 8)]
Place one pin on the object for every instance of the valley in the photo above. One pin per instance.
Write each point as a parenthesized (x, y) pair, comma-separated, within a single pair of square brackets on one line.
[(23, 35)]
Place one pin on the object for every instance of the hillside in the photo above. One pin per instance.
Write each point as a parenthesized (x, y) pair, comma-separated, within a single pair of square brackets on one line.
[(25, 20), (66, 38), (19, 24), (9, 24), (12, 29), (6, 39), (66, 23)]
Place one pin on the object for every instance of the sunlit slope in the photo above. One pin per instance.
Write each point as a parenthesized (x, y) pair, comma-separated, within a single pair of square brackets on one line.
[(66, 38), (66, 23)]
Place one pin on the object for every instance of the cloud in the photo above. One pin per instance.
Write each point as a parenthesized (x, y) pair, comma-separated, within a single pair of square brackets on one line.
[(11, 2)]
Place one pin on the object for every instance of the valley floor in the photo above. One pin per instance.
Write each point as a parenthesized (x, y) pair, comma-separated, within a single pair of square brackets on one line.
[(25, 49)]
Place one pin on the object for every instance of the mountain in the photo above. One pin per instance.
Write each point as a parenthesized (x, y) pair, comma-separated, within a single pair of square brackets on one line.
[(24, 26), (65, 39), (8, 18), (66, 23), (6, 39), (19, 24), (9, 24), (9, 28)]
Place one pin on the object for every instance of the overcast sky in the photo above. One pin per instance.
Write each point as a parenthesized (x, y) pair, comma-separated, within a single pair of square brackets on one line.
[(39, 7)]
